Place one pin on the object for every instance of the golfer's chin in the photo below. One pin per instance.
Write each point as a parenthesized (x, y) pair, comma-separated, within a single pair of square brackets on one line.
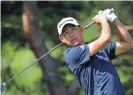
[(76, 43)]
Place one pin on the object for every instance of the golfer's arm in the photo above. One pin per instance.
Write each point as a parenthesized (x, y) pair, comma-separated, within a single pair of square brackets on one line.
[(126, 41), (102, 41)]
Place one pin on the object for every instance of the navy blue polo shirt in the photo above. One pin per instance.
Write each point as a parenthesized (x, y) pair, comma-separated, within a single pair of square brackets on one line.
[(96, 74)]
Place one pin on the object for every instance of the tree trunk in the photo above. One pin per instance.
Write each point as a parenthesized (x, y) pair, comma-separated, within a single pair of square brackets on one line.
[(32, 34)]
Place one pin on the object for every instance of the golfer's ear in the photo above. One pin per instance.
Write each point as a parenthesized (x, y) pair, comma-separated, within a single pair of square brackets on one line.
[(61, 38), (81, 28)]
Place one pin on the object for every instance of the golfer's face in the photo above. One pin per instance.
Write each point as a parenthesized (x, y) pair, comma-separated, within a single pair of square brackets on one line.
[(72, 36)]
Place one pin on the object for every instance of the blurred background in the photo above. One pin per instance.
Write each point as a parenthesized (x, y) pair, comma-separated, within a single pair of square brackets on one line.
[(29, 30)]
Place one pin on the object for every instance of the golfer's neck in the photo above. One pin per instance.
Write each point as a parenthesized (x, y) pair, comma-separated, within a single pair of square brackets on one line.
[(82, 42)]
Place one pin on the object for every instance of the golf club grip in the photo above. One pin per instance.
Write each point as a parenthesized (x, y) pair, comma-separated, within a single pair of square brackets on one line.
[(88, 25)]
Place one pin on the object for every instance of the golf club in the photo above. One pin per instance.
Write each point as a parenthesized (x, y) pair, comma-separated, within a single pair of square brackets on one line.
[(4, 84)]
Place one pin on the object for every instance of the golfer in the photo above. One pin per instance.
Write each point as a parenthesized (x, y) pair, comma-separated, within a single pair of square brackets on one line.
[(91, 63)]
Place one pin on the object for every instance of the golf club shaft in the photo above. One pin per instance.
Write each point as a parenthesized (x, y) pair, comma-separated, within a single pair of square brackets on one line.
[(88, 25), (33, 63)]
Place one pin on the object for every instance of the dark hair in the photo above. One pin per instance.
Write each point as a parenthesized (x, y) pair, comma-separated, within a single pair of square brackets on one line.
[(66, 26)]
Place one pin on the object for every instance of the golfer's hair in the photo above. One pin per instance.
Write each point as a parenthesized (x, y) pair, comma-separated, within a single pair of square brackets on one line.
[(67, 26)]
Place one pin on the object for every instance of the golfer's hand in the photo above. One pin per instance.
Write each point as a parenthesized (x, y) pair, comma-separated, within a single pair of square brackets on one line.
[(110, 15), (100, 18)]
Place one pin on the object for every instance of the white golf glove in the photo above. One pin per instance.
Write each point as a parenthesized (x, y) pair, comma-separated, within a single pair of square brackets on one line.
[(110, 15)]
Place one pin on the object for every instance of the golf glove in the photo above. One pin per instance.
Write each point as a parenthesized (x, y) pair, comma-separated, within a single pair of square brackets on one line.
[(110, 15)]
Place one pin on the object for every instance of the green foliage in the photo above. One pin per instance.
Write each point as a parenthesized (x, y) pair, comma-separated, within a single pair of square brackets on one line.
[(124, 67), (16, 54), (15, 61)]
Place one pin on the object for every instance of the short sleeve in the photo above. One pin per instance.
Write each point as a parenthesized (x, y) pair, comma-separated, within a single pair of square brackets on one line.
[(110, 50), (77, 56)]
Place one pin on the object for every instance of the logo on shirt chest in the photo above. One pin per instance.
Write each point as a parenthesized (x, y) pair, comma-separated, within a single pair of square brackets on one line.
[(101, 55)]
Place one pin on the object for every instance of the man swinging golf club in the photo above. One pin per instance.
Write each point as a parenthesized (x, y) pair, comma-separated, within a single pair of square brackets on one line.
[(91, 63)]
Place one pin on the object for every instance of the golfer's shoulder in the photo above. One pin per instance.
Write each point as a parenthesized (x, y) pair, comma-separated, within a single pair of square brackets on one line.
[(72, 53), (71, 50), (75, 50)]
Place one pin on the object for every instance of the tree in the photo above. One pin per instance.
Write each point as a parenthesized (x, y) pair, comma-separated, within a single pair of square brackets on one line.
[(48, 65)]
